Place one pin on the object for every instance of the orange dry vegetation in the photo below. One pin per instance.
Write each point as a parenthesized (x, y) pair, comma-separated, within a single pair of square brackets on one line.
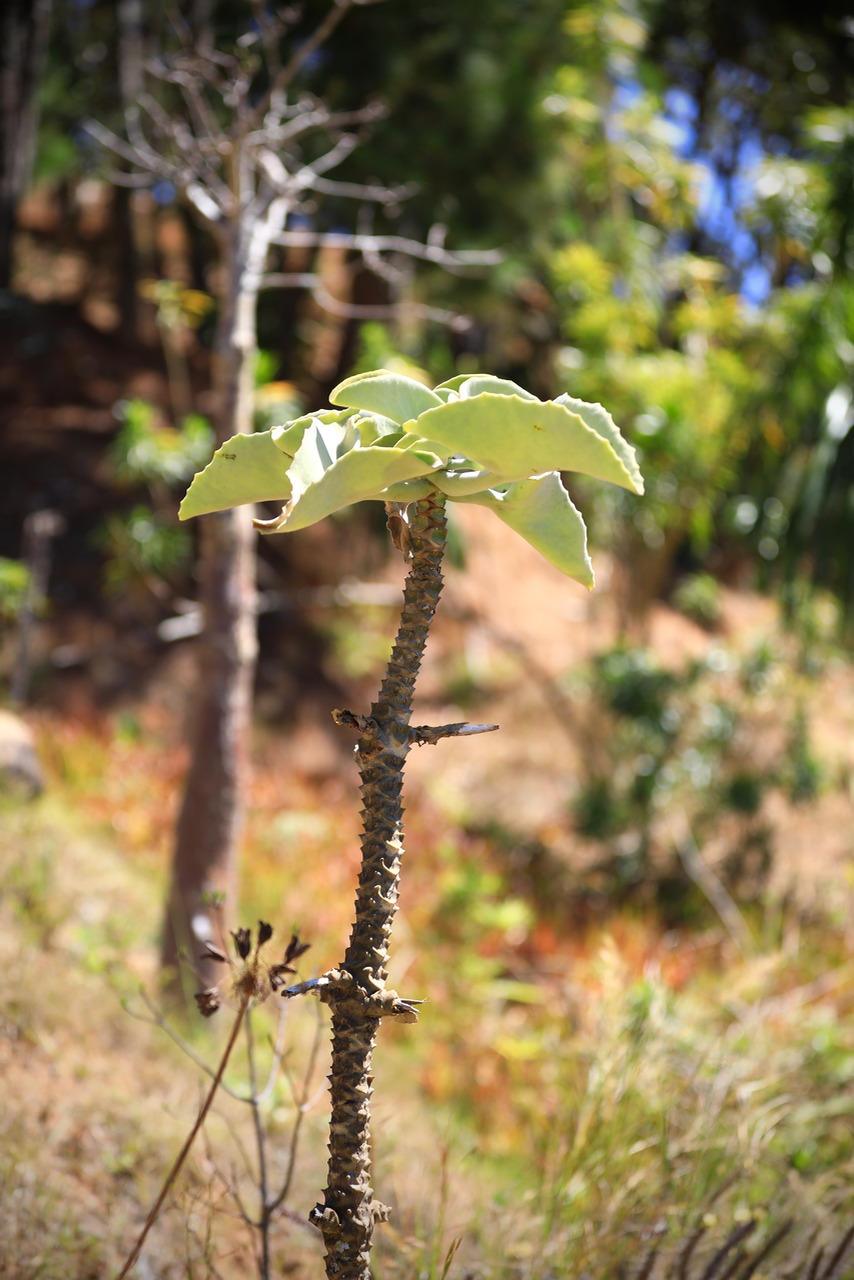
[(532, 999)]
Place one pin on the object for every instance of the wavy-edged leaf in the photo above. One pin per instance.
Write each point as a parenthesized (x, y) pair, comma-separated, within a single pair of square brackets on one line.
[(478, 383), (542, 512), (428, 446), (288, 436), (391, 394), (244, 469), (601, 421), (520, 438), (459, 484), (408, 490), (355, 475), (454, 384), (374, 426)]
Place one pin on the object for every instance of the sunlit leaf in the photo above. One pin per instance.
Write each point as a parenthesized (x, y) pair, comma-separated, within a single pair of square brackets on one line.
[(408, 490), (322, 445), (542, 513), (454, 384), (518, 438), (459, 484), (244, 469), (374, 426), (475, 384), (427, 446), (600, 420), (355, 475), (391, 394), (288, 436)]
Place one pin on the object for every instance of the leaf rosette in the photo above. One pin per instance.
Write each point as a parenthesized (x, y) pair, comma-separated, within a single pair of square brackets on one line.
[(475, 439)]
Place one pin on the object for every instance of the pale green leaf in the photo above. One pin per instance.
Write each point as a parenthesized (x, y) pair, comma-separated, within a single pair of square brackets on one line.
[(474, 384), (418, 442), (408, 490), (352, 477), (322, 445), (520, 438), (245, 469), (542, 512), (600, 420), (391, 394), (483, 382), (373, 426), (288, 436), (459, 483), (454, 384)]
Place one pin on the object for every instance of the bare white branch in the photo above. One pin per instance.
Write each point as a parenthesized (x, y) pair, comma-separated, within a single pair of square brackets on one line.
[(138, 180), (203, 201), (305, 120), (352, 311), (451, 260), (307, 175), (303, 53), (289, 280), (121, 148), (394, 311), (363, 191)]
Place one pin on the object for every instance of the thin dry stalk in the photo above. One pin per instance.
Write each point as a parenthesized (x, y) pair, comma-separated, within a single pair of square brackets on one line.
[(185, 1150)]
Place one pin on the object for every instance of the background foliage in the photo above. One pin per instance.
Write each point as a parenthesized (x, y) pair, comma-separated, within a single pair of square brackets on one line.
[(673, 185)]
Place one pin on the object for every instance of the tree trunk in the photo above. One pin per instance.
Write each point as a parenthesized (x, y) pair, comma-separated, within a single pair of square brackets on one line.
[(209, 825), (357, 992), (130, 56), (211, 817), (24, 26)]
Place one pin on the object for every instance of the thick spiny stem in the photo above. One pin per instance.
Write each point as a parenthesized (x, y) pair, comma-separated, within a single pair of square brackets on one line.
[(357, 992)]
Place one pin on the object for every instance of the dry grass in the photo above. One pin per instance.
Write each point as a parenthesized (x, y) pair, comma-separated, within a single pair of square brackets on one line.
[(96, 1104), (562, 1096), (574, 1092)]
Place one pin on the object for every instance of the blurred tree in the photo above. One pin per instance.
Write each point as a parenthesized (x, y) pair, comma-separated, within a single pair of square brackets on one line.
[(650, 326), (24, 26), (465, 81), (809, 512), (228, 138), (693, 191), (763, 93), (244, 151)]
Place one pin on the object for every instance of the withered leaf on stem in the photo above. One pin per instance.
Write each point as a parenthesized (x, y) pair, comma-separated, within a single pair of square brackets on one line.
[(265, 932), (242, 942), (295, 949)]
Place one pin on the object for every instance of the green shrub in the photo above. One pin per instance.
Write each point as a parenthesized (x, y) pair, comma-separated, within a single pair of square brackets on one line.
[(699, 597), (14, 584)]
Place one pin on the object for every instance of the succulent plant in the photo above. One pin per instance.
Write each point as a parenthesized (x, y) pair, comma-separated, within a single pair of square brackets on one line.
[(476, 439), (472, 439)]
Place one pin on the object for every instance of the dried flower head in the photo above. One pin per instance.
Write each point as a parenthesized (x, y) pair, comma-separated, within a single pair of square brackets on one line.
[(251, 977), (242, 942), (295, 949), (208, 1001)]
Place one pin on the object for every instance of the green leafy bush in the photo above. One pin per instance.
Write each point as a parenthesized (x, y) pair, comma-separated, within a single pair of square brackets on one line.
[(699, 597), (144, 450), (14, 584), (143, 546)]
